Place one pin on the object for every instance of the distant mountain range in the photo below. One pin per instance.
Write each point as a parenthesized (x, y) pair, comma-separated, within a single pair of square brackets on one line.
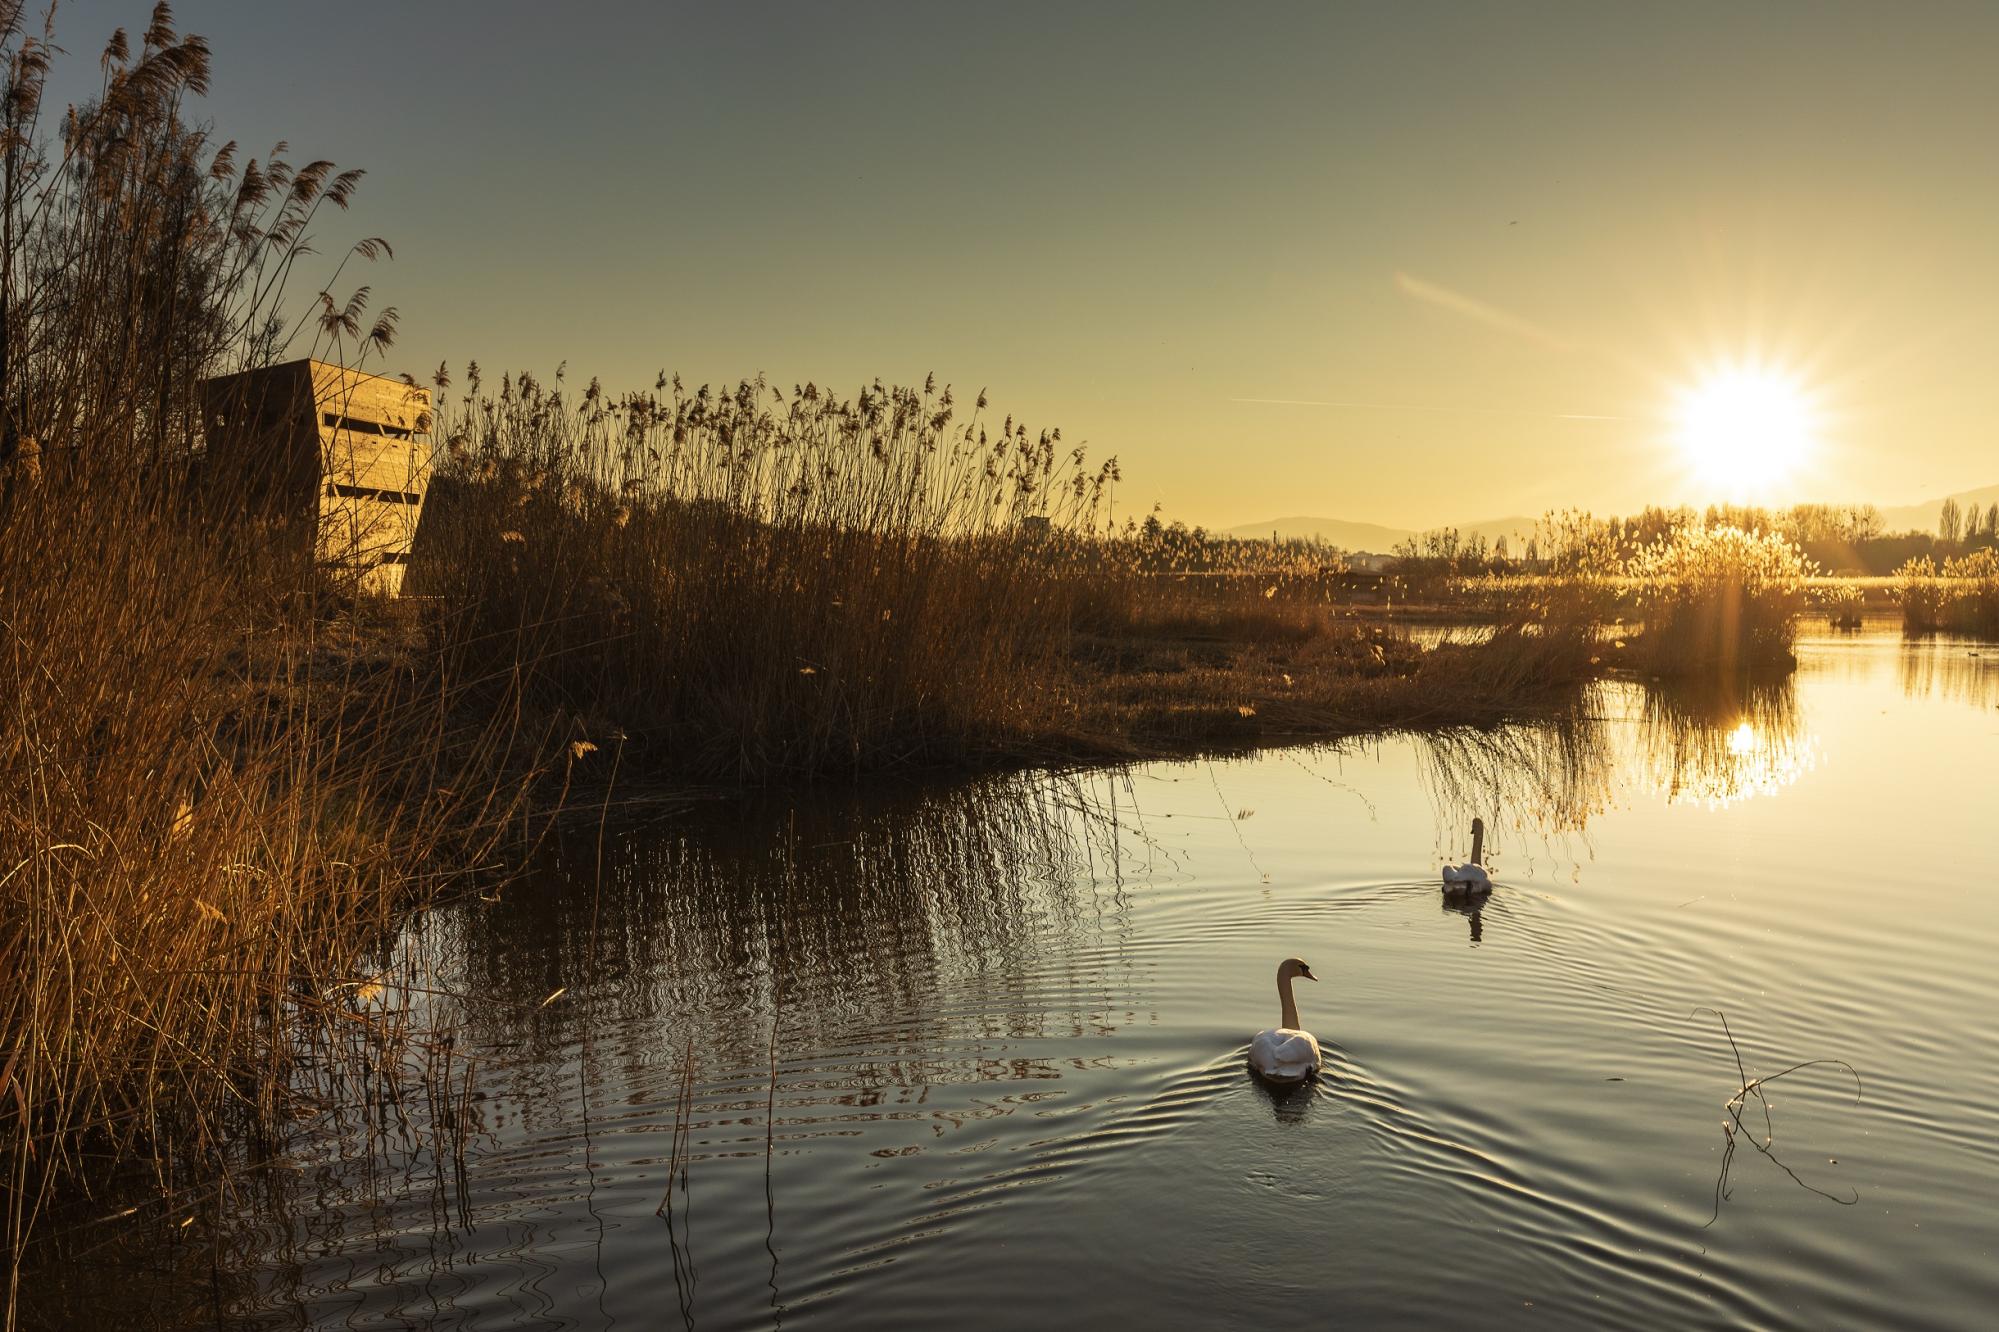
[(1923, 517), (1373, 536), (1350, 535)]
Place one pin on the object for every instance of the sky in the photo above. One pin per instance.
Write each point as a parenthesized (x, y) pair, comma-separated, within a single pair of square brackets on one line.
[(1407, 263)]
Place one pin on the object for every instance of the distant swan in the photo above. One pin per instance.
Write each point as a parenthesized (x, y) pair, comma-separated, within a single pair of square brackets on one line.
[(1470, 877), (1286, 1054)]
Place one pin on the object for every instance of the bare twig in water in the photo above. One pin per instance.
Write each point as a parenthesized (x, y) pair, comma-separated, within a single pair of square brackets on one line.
[(1232, 821), (1735, 1131), (1374, 815), (776, 1026), (676, 1175)]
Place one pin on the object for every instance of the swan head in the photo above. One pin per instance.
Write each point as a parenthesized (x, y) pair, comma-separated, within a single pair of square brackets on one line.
[(1295, 966)]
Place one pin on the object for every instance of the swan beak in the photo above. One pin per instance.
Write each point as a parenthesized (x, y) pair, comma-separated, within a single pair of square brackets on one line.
[(1308, 975)]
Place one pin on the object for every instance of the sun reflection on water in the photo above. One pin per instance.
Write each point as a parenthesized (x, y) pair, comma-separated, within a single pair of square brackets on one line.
[(1695, 756), (1713, 744)]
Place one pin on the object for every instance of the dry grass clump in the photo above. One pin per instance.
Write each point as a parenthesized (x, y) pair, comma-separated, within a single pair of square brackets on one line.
[(1962, 597), (753, 585), (1921, 596), (210, 809), (1717, 597), (1569, 607), (1841, 600)]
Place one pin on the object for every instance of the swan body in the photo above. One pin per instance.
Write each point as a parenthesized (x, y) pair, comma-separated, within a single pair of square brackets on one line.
[(1286, 1053), (1470, 877)]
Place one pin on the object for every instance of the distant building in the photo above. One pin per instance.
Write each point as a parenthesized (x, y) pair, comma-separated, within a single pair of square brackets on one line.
[(1363, 561), (1035, 526)]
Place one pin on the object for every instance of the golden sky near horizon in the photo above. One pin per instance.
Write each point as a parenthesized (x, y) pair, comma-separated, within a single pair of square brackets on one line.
[(1410, 264)]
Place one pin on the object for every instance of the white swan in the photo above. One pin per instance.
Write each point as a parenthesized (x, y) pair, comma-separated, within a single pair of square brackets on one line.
[(1470, 877), (1286, 1054)]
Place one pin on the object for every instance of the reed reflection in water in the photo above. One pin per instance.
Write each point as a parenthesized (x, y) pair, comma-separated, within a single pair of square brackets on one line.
[(1958, 671), (1721, 742), (1711, 743), (897, 944)]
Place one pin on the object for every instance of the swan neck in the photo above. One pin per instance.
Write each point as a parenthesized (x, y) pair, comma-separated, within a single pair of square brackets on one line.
[(1290, 1019), (1478, 841)]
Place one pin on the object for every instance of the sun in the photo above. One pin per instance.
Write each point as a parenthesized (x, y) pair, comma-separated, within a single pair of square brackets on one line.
[(1745, 429)]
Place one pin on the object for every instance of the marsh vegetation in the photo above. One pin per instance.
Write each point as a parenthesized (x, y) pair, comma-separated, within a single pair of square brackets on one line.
[(1959, 596)]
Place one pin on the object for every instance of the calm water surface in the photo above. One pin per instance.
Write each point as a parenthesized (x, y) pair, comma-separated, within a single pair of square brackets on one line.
[(1009, 1087)]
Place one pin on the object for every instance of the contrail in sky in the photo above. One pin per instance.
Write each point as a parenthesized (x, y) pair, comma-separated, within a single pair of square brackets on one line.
[(1458, 303), (1431, 293)]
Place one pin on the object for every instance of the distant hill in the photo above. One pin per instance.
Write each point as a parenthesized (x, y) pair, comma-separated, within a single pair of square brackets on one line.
[(1336, 531), (1515, 529), (1349, 535), (1923, 517)]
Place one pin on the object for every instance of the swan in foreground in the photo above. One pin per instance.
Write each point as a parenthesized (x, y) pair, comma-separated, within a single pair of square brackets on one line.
[(1470, 877), (1286, 1054)]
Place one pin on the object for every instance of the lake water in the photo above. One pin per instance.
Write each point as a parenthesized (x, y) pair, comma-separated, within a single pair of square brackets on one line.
[(1009, 1085)]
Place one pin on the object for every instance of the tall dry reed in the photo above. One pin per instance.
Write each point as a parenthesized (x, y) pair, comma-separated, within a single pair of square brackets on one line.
[(218, 786), (752, 585), (215, 799)]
